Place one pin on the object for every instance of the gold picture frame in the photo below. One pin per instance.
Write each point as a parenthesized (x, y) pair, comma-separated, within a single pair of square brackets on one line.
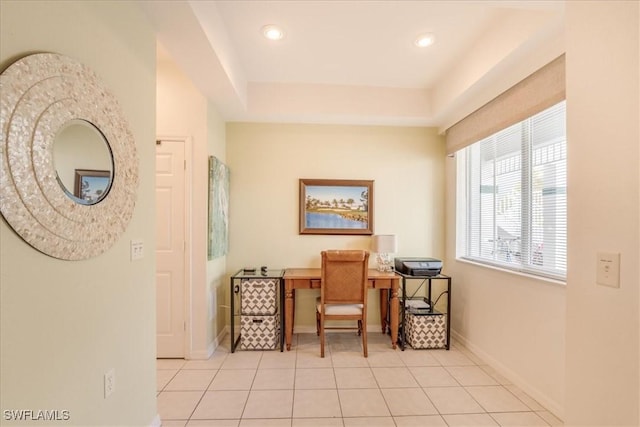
[(336, 206)]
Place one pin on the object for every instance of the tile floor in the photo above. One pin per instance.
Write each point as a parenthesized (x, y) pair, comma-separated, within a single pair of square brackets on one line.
[(298, 388)]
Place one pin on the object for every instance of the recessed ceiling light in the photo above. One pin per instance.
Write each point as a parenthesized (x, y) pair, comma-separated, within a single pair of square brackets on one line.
[(272, 32), (425, 40)]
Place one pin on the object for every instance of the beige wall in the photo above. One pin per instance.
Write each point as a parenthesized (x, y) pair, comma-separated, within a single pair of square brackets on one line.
[(184, 112), (64, 324), (267, 160), (603, 96), (529, 348), (575, 349), (516, 323)]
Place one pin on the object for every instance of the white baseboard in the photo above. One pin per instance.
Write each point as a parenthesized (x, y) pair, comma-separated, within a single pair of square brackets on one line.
[(201, 354), (156, 422), (551, 405), (206, 354), (304, 329), (223, 333)]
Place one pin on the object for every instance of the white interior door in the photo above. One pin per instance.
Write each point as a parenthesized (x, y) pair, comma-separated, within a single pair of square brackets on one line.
[(170, 248)]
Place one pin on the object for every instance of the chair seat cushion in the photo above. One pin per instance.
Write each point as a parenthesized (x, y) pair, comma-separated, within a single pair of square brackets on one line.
[(340, 309)]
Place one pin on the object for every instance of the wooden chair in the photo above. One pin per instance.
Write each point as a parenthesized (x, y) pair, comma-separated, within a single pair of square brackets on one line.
[(343, 292)]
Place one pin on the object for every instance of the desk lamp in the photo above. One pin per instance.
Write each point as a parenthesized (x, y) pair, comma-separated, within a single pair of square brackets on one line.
[(384, 245)]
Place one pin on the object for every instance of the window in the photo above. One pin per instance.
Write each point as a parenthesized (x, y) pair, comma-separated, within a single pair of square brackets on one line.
[(512, 201)]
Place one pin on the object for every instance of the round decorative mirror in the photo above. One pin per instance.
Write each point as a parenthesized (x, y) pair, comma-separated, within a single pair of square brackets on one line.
[(59, 125)]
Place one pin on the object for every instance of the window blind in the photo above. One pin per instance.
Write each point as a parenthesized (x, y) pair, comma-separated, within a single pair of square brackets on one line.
[(513, 210)]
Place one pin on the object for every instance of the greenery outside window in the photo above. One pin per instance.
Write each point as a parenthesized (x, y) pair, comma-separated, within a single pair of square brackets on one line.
[(512, 201)]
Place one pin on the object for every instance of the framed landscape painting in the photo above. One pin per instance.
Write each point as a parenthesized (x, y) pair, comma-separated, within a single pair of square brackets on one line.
[(336, 206)]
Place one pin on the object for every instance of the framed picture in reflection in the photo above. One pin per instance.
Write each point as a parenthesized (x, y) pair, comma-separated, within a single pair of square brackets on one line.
[(91, 186)]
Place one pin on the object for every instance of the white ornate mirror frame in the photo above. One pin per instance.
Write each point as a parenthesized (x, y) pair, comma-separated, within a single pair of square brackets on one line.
[(38, 95)]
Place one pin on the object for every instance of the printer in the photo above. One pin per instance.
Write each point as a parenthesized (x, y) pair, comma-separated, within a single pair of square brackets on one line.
[(418, 266)]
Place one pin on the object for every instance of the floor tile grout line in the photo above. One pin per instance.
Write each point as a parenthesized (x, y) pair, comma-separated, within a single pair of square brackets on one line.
[(530, 409), (295, 374), (246, 402), (337, 393), (167, 383), (196, 406), (461, 385)]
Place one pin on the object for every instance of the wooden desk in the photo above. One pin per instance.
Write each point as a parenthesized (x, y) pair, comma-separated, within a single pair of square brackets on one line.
[(309, 278)]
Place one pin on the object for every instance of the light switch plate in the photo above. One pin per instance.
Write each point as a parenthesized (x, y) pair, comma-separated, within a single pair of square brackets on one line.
[(608, 269), (137, 250)]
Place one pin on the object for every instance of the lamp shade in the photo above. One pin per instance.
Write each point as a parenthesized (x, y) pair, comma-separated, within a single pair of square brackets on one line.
[(385, 243)]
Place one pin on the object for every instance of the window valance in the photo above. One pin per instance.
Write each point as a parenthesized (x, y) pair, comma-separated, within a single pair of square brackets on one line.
[(541, 90)]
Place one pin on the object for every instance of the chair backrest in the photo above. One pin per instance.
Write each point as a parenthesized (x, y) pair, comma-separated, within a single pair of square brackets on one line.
[(344, 276)]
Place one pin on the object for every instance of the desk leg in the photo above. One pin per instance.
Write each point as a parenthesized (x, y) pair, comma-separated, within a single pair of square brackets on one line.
[(394, 317), (384, 308), (288, 314)]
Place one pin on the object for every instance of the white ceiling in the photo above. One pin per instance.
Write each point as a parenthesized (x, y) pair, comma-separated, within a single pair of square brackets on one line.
[(355, 61)]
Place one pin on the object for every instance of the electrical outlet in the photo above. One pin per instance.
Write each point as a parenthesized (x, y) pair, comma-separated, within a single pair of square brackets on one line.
[(137, 250), (109, 382)]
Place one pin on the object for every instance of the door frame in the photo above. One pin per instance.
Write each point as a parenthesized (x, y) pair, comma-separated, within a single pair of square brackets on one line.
[(187, 288)]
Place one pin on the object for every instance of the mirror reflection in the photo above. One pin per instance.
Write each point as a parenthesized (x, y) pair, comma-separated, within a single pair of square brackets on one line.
[(83, 162)]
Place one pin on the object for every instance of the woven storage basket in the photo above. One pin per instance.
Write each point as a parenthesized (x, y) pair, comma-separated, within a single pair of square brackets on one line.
[(426, 330), (259, 296), (260, 332)]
